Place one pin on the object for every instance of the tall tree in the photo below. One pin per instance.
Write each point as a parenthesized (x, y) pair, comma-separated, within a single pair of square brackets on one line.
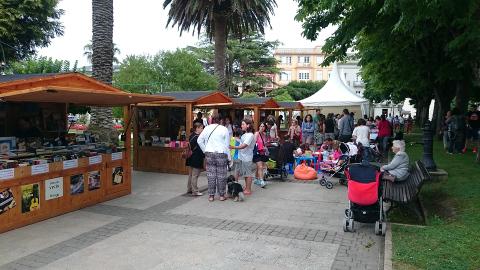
[(167, 71), (41, 64), (102, 65), (220, 18), (403, 52), (26, 25), (248, 61), (87, 52)]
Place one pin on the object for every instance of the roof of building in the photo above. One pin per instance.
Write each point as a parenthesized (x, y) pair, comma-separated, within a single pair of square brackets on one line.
[(187, 95), (16, 77), (290, 104)]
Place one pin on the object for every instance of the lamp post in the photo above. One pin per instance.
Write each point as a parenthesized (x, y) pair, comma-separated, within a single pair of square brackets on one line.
[(428, 147)]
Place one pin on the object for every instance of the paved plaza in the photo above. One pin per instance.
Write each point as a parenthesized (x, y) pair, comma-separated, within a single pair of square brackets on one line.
[(288, 225)]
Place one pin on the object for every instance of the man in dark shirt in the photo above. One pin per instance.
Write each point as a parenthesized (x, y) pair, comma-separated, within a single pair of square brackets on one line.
[(473, 124), (199, 118)]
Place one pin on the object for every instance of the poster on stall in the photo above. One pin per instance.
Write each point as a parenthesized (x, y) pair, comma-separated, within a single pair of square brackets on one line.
[(53, 188), (30, 197), (93, 180), (76, 184), (117, 175), (7, 201)]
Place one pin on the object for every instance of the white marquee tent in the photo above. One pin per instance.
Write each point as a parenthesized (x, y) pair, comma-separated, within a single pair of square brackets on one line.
[(335, 94)]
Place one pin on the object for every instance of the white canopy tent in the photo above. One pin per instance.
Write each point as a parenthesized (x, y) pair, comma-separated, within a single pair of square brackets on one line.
[(335, 94)]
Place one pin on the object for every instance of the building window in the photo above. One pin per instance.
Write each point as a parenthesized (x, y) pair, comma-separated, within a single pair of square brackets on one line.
[(329, 73), (304, 59), (286, 60), (319, 75), (304, 75), (286, 76), (319, 60)]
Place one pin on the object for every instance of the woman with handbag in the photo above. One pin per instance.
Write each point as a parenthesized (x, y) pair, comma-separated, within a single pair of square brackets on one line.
[(194, 162), (261, 154)]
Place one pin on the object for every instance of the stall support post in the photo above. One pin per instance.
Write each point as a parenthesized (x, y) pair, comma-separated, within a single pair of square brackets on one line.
[(188, 118), (136, 142), (128, 144), (256, 116)]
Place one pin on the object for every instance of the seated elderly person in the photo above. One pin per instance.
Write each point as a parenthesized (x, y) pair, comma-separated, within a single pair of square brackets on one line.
[(397, 169)]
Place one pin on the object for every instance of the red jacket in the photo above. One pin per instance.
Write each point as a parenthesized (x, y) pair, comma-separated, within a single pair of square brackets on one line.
[(384, 129)]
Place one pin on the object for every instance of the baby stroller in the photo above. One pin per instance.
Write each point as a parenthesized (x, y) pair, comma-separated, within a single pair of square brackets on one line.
[(276, 163), (329, 170), (364, 198)]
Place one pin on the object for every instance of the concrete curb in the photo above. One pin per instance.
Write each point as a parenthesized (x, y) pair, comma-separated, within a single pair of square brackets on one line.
[(387, 258)]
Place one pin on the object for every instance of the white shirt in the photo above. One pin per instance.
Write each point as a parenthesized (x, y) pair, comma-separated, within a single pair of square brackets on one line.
[(230, 129), (361, 134), (218, 142), (246, 154)]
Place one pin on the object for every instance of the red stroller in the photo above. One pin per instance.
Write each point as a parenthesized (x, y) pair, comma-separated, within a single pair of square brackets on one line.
[(364, 198)]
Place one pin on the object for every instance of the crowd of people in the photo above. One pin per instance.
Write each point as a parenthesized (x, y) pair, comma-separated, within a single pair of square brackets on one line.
[(242, 149), (461, 132)]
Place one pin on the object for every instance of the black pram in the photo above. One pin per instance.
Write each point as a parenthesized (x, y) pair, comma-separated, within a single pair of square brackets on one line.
[(276, 162)]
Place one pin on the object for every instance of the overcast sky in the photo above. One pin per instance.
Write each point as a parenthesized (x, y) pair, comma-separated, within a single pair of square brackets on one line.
[(139, 28)]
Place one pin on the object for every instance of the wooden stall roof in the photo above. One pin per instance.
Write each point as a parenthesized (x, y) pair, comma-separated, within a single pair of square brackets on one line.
[(73, 88), (262, 103), (290, 105), (196, 98)]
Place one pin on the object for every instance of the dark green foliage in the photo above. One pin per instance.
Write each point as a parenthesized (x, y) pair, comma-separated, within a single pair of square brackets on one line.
[(41, 64), (26, 25), (246, 60), (297, 90), (166, 71)]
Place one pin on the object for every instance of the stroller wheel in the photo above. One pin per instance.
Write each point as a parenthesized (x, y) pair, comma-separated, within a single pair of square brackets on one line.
[(323, 182), (329, 185), (378, 228), (384, 228), (350, 226), (345, 225)]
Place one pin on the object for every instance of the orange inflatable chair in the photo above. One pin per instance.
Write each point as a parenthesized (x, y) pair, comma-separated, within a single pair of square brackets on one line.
[(304, 172)]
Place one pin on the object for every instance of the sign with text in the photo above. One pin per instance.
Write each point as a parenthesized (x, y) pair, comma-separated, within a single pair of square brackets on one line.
[(53, 188), (40, 168), (95, 160), (69, 164), (117, 156), (7, 174)]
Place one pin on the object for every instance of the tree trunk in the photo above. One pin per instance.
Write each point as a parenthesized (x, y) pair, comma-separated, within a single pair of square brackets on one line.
[(462, 96), (102, 65), (220, 22)]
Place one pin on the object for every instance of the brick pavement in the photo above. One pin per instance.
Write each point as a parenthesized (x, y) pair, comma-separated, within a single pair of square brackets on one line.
[(359, 250)]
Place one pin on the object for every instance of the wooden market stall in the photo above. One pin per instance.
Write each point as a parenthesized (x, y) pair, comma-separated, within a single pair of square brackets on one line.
[(161, 129), (44, 171), (288, 108), (261, 108)]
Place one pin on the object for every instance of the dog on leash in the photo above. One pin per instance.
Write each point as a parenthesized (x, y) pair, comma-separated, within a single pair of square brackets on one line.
[(234, 189)]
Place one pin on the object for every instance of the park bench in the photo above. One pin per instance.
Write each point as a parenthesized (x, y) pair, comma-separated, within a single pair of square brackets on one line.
[(407, 192)]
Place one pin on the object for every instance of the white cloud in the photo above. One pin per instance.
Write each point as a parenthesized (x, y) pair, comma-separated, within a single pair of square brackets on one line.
[(139, 28)]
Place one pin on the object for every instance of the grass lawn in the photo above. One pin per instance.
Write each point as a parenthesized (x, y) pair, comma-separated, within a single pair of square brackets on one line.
[(451, 238)]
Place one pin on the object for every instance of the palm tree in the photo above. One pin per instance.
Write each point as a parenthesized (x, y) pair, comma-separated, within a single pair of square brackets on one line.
[(102, 64), (87, 52), (220, 18)]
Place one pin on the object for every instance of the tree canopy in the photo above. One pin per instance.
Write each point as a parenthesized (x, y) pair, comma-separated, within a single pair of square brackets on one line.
[(248, 60), (165, 71), (417, 49), (220, 19), (297, 90), (41, 64), (26, 25)]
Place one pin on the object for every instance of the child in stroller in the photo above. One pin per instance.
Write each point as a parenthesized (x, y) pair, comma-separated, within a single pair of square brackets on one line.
[(276, 162), (364, 198), (334, 163)]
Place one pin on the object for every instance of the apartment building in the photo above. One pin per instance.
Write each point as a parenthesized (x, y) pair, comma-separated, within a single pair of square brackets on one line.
[(305, 64)]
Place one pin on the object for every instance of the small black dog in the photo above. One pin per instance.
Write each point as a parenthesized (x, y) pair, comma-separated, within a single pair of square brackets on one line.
[(234, 189)]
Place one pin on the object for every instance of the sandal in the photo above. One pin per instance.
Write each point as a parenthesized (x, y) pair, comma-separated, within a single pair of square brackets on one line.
[(222, 198), (211, 199), (245, 192)]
